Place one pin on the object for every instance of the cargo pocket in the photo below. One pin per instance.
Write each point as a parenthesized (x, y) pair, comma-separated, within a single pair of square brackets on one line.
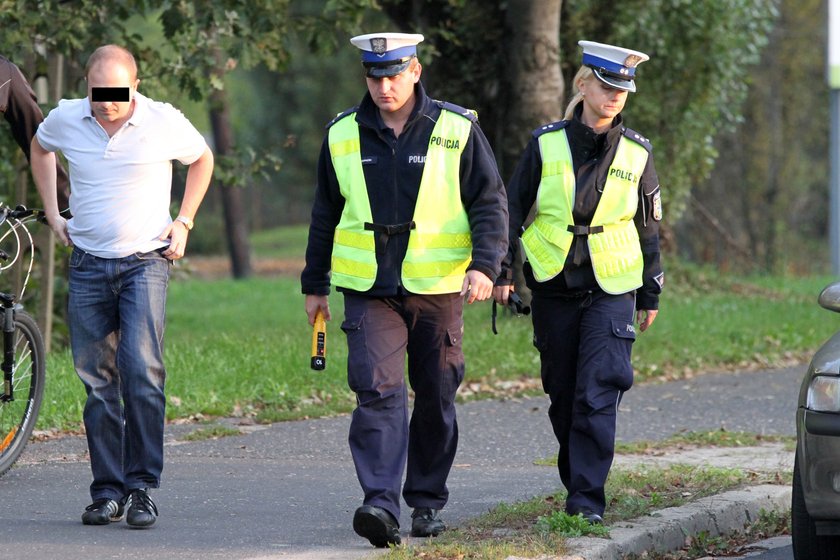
[(359, 374), (616, 370), (541, 344), (455, 352)]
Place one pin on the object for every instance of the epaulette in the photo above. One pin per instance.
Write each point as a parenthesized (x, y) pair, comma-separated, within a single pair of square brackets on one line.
[(341, 115), (638, 138), (457, 109), (550, 127)]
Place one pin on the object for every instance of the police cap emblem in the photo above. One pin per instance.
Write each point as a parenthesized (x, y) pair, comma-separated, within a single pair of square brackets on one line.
[(632, 60), (378, 45)]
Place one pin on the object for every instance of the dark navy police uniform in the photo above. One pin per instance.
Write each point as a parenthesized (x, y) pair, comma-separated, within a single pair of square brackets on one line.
[(583, 334), (386, 322)]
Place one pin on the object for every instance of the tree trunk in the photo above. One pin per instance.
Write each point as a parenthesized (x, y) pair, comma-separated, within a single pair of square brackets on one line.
[(236, 223), (532, 88), (533, 83)]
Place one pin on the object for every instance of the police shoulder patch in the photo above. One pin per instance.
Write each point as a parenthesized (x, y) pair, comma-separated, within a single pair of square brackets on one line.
[(457, 109), (341, 115), (657, 205), (638, 138), (550, 127)]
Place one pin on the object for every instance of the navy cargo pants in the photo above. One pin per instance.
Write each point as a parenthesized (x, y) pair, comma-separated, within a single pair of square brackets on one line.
[(584, 345), (380, 333)]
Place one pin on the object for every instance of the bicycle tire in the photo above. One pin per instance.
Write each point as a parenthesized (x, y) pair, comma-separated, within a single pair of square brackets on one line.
[(18, 417)]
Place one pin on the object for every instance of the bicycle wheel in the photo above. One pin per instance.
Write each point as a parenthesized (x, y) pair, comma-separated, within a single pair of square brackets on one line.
[(18, 417)]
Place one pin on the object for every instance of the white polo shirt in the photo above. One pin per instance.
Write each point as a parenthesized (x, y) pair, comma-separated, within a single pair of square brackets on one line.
[(120, 185)]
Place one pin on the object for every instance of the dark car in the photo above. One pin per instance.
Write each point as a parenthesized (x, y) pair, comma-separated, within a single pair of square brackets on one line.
[(815, 511)]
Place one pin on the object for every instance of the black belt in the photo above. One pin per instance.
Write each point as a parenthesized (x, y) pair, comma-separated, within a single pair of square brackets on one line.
[(385, 231), (579, 248), (584, 230)]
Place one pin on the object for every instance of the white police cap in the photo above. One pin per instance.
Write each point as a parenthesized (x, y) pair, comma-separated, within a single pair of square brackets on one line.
[(386, 54), (615, 66)]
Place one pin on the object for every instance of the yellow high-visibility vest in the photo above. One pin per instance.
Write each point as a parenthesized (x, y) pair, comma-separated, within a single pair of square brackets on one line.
[(614, 247), (439, 246)]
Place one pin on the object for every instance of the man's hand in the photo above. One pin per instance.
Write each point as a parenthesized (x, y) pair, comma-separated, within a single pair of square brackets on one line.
[(313, 303), (645, 318), (177, 234), (477, 285), (59, 227)]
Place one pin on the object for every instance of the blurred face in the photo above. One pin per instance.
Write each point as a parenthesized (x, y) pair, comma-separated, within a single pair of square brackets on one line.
[(117, 78), (391, 94), (600, 101)]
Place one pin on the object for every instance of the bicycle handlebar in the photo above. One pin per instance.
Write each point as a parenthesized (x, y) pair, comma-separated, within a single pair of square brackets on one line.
[(21, 212)]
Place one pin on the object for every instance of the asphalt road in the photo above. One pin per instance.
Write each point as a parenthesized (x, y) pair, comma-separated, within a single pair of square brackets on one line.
[(288, 490)]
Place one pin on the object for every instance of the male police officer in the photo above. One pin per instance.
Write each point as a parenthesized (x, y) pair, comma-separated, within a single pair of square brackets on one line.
[(409, 217)]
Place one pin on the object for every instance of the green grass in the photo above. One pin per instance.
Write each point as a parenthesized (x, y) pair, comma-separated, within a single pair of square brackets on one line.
[(280, 243), (242, 347)]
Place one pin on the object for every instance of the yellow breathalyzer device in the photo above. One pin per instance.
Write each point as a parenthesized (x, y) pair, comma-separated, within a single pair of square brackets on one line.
[(319, 342)]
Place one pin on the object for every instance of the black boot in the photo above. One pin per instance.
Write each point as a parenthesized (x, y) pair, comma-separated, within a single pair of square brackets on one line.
[(376, 525), (426, 523)]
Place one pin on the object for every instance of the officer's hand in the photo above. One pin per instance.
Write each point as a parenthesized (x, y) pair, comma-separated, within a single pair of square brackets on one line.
[(645, 318), (313, 304), (477, 285), (501, 293)]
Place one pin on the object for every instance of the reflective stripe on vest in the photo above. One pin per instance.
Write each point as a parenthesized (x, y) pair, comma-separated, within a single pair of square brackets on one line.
[(353, 256), (615, 252), (440, 246)]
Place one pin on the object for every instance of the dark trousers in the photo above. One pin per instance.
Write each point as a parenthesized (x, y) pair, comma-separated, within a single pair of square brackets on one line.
[(584, 346), (380, 333)]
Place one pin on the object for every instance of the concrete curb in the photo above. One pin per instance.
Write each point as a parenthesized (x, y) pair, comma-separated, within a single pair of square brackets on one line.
[(667, 529)]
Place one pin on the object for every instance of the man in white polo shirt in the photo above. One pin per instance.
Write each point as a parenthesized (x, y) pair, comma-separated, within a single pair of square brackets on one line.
[(119, 146)]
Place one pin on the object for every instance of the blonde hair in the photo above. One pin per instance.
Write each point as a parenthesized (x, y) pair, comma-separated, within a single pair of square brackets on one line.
[(584, 74)]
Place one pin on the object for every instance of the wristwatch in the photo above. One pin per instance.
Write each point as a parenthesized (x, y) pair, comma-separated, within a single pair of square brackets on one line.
[(186, 221)]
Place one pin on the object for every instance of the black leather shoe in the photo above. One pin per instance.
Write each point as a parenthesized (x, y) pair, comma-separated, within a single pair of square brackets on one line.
[(592, 517), (102, 512), (142, 511), (426, 523), (376, 525)]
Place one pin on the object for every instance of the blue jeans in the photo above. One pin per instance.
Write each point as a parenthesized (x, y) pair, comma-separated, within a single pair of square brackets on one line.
[(116, 315)]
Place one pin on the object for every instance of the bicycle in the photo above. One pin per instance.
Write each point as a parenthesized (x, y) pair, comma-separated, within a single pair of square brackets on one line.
[(24, 356)]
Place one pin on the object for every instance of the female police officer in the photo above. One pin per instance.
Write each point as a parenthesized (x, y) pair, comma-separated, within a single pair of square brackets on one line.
[(592, 263)]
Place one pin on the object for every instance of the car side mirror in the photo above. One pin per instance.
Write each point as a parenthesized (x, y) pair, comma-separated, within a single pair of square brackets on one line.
[(830, 297)]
